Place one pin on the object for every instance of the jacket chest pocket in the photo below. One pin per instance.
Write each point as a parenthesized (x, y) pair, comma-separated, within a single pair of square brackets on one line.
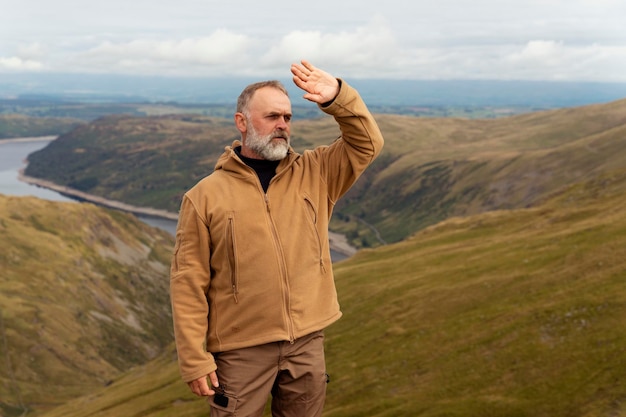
[(311, 210), (231, 245), (312, 215)]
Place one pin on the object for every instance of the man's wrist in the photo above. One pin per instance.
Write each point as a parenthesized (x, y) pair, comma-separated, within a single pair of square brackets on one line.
[(328, 103)]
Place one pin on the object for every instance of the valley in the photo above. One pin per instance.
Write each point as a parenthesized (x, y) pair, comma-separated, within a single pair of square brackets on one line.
[(493, 288)]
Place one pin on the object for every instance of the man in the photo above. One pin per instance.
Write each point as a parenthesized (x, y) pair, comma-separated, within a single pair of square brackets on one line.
[(251, 281)]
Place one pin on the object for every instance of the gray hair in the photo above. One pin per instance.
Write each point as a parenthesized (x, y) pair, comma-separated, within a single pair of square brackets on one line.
[(248, 92)]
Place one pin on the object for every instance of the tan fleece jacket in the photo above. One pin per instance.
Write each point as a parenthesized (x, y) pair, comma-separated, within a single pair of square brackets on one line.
[(251, 267)]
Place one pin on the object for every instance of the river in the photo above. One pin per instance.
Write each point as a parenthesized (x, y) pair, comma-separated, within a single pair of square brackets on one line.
[(12, 158), (13, 155)]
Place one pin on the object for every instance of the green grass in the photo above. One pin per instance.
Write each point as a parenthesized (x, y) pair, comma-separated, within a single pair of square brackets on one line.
[(509, 313), (83, 296), (19, 126)]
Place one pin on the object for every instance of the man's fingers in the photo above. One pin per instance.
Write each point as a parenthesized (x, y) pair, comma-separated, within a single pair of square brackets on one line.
[(305, 71), (304, 78), (299, 72), (299, 82), (308, 66), (200, 387), (213, 378)]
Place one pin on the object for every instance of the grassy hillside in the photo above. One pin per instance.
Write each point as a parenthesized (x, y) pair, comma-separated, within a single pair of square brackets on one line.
[(508, 313), (505, 298), (83, 297), (431, 168), (19, 126), (147, 162), (434, 169), (513, 313)]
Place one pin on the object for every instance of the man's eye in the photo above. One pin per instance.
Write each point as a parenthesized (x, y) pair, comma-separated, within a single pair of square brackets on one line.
[(279, 116)]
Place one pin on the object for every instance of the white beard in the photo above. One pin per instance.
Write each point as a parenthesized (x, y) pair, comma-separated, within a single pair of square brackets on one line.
[(263, 145)]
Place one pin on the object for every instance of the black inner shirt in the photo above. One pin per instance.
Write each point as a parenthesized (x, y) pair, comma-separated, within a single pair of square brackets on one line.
[(264, 169)]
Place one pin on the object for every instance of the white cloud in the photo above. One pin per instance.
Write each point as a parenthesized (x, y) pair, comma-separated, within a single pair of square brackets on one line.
[(556, 60), (448, 39), (15, 63), (218, 52), (27, 57), (32, 51), (366, 50), (540, 50)]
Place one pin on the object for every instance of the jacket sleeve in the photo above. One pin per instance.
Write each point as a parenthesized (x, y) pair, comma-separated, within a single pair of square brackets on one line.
[(360, 143), (189, 282)]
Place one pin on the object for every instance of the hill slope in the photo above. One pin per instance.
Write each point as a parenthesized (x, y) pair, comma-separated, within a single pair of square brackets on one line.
[(146, 162), (83, 296), (433, 169), (507, 313), (18, 126), (430, 169)]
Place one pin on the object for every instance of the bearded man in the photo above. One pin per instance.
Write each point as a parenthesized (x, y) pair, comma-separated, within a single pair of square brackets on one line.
[(252, 286)]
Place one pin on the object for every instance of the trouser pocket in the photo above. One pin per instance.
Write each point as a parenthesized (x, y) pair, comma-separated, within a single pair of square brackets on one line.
[(222, 405)]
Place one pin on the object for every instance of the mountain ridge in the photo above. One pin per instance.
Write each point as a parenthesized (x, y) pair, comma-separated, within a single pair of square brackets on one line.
[(120, 88), (83, 296), (430, 168), (462, 167)]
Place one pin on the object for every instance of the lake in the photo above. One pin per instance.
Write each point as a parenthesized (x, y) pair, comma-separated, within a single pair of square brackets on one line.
[(13, 156)]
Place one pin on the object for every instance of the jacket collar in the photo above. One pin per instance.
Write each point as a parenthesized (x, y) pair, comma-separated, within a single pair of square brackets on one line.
[(230, 161)]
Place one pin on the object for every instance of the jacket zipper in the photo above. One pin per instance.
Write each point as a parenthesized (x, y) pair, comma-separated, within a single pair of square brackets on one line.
[(283, 272), (290, 325)]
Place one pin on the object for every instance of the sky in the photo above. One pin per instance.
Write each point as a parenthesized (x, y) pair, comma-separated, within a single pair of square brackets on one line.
[(555, 40)]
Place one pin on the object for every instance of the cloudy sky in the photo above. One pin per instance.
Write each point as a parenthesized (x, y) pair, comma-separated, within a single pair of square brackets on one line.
[(575, 40)]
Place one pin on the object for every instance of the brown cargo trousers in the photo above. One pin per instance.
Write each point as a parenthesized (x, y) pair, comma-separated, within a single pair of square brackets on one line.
[(293, 373)]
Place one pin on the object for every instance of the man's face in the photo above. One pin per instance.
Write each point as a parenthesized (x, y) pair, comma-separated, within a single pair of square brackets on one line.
[(268, 125)]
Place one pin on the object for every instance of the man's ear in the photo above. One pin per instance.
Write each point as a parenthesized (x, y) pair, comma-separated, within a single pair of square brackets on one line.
[(241, 122)]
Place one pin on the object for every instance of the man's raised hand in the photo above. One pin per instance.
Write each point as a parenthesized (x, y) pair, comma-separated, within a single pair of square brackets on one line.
[(319, 86)]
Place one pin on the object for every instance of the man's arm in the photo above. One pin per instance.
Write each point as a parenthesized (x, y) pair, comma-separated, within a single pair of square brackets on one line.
[(189, 282), (361, 140)]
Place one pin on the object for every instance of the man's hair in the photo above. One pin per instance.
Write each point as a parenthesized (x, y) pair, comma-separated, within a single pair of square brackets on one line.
[(248, 92)]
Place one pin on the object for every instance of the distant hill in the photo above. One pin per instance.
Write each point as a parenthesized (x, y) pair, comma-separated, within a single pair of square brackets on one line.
[(144, 161), (430, 169), (107, 88), (19, 126), (508, 313), (83, 297), (433, 169)]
